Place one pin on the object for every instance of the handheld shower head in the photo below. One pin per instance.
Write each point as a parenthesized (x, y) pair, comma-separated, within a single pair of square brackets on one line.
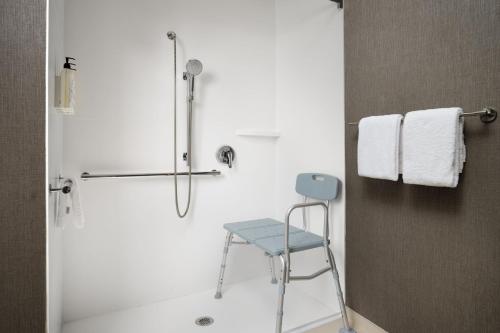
[(194, 67)]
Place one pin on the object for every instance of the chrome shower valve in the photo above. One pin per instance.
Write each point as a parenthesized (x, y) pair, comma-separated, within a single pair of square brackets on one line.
[(226, 155)]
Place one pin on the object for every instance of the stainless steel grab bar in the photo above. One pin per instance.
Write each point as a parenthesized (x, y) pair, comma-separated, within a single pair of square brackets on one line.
[(86, 175)]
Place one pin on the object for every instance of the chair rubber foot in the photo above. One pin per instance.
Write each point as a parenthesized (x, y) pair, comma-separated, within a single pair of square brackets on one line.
[(347, 330), (218, 296), (274, 281)]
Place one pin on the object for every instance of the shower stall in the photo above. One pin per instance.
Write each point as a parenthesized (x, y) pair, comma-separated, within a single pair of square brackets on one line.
[(164, 149)]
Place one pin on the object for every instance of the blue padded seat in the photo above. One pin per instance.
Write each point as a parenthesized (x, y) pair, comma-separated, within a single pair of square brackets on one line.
[(299, 241), (268, 234), (235, 227)]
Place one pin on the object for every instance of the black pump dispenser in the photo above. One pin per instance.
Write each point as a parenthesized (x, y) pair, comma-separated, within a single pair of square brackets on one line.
[(68, 64)]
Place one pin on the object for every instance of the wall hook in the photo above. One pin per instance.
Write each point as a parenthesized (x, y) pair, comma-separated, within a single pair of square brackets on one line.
[(66, 188)]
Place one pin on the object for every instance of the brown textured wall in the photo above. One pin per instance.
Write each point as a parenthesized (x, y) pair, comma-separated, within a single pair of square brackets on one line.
[(423, 259), (22, 166)]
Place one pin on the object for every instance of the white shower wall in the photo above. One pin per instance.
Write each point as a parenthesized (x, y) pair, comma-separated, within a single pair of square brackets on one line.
[(134, 249), (310, 115), (262, 62)]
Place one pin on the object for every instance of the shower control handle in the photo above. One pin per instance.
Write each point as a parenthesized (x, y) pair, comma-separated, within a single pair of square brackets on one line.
[(226, 155)]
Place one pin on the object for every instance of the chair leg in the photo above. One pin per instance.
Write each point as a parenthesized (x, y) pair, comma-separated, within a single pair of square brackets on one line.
[(229, 238), (331, 260), (272, 269), (281, 296)]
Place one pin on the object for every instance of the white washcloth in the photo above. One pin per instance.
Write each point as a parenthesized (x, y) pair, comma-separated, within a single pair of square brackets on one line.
[(70, 207), (433, 147), (378, 147)]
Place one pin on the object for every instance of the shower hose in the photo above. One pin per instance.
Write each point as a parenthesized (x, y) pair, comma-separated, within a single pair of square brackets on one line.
[(189, 106)]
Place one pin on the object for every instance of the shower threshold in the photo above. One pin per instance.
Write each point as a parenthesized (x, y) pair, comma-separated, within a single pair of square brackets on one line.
[(246, 307)]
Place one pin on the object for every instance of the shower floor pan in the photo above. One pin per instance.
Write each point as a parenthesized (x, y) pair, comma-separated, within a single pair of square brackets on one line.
[(247, 307)]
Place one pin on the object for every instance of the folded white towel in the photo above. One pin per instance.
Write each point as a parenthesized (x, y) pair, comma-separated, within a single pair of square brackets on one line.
[(433, 147), (378, 147)]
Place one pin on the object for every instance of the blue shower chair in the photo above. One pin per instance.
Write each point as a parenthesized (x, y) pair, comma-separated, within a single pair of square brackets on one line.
[(279, 239)]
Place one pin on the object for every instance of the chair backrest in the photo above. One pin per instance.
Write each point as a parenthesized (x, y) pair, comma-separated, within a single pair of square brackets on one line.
[(318, 186)]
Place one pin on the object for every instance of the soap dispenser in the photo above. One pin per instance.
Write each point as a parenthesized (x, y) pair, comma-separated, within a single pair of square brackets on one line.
[(67, 92)]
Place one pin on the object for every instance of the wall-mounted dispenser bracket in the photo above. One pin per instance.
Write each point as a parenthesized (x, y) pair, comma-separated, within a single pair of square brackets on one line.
[(339, 2)]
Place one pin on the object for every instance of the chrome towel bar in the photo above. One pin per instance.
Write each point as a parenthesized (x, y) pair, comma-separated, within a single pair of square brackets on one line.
[(87, 175), (487, 115)]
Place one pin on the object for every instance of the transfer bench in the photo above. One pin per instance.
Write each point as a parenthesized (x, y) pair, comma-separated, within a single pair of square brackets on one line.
[(279, 239)]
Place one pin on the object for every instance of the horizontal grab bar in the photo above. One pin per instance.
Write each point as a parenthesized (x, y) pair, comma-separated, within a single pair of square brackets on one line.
[(87, 175)]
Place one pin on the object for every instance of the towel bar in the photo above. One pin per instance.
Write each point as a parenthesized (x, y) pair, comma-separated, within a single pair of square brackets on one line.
[(486, 115)]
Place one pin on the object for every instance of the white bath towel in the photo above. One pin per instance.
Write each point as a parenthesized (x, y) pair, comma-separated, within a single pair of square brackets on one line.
[(70, 207), (378, 147), (433, 147)]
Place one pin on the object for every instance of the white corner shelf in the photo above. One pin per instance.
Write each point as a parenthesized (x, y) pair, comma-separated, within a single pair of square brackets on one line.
[(258, 133)]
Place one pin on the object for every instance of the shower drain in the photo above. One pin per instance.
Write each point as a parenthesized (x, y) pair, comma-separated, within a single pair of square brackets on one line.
[(204, 321)]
